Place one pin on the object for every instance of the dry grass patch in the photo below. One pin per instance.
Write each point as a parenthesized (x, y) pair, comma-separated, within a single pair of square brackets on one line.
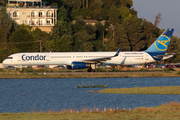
[(166, 111), (168, 90)]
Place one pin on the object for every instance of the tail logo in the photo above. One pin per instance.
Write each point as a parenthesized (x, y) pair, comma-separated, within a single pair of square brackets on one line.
[(162, 43)]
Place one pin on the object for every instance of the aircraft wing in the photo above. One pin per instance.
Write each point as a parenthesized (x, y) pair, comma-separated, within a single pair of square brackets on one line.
[(97, 60), (101, 60)]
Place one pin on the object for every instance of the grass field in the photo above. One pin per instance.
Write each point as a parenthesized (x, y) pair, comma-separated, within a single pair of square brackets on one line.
[(167, 90), (166, 111), (10, 74), (103, 73)]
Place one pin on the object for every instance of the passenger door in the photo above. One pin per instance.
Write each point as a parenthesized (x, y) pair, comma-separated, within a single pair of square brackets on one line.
[(146, 57)]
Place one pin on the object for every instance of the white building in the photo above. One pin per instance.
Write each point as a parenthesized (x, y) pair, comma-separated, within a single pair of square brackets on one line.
[(34, 13)]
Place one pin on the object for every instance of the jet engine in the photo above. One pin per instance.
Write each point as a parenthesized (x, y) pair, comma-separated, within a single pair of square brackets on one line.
[(78, 65)]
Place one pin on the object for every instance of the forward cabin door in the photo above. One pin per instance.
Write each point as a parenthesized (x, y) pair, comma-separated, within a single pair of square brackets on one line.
[(48, 57), (19, 58)]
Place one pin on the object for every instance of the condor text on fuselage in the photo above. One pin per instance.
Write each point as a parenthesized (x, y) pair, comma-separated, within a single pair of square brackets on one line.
[(32, 58)]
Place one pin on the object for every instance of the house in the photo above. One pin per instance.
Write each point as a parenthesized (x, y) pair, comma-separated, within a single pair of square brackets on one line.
[(35, 13)]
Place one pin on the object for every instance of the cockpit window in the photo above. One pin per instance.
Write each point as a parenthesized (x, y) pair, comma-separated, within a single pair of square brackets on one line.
[(9, 57)]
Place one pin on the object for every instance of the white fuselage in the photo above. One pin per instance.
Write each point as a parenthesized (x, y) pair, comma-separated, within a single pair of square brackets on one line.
[(66, 58)]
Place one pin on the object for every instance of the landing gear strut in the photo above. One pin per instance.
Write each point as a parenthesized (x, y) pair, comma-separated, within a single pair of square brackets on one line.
[(20, 69), (92, 68)]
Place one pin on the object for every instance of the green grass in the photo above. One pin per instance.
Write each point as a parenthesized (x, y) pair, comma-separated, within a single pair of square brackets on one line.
[(168, 90), (166, 111), (16, 74)]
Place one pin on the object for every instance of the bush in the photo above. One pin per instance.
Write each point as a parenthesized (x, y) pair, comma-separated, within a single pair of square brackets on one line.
[(28, 69), (42, 70), (1, 69), (178, 73), (168, 69), (101, 69), (113, 69), (142, 69)]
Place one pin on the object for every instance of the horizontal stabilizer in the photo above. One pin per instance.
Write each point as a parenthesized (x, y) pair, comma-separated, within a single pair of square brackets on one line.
[(166, 55)]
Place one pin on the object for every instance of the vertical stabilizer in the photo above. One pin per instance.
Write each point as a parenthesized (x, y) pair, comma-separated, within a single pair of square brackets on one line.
[(161, 44)]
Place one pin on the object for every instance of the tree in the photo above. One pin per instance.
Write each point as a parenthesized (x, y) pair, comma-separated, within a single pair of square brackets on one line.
[(110, 46), (62, 28), (90, 29), (157, 20), (113, 18), (107, 3), (62, 15), (7, 26), (23, 35), (64, 44), (37, 34), (82, 42), (125, 3), (50, 45), (44, 38), (78, 26), (87, 3), (98, 41), (113, 15), (150, 33), (124, 14), (96, 6), (134, 32), (121, 39), (75, 4)]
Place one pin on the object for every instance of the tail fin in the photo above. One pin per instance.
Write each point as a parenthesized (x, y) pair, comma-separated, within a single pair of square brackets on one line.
[(161, 44)]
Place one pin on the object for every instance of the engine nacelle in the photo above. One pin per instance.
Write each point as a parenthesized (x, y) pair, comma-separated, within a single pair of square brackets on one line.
[(77, 65)]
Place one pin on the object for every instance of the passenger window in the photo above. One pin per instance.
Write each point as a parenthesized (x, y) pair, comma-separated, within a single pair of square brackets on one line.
[(9, 57)]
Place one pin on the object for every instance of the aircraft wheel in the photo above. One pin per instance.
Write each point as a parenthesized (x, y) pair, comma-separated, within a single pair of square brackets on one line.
[(89, 70)]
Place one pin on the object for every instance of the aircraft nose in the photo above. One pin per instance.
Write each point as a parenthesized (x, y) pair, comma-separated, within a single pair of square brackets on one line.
[(4, 62)]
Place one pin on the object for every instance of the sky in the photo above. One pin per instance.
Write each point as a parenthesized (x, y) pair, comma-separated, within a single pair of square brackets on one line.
[(170, 10)]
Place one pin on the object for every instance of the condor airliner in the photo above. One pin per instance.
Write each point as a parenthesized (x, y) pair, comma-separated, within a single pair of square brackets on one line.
[(81, 60)]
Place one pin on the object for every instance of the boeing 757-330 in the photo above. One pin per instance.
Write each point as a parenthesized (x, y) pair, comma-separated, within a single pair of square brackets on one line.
[(81, 60)]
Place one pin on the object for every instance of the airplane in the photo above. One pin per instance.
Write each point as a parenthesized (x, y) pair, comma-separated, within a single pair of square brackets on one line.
[(81, 60)]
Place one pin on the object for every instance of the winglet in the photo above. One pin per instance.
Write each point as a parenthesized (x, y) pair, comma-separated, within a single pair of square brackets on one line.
[(117, 52)]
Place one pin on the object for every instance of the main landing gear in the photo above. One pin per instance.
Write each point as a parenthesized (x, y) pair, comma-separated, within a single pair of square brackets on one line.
[(92, 68)]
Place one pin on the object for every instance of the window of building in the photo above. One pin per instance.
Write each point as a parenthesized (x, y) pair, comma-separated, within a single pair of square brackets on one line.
[(40, 22), (15, 14), (48, 22), (24, 21), (23, 13), (40, 14), (33, 14)]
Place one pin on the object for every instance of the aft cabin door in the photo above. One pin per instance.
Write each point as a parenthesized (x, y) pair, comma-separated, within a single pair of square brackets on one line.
[(146, 57)]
